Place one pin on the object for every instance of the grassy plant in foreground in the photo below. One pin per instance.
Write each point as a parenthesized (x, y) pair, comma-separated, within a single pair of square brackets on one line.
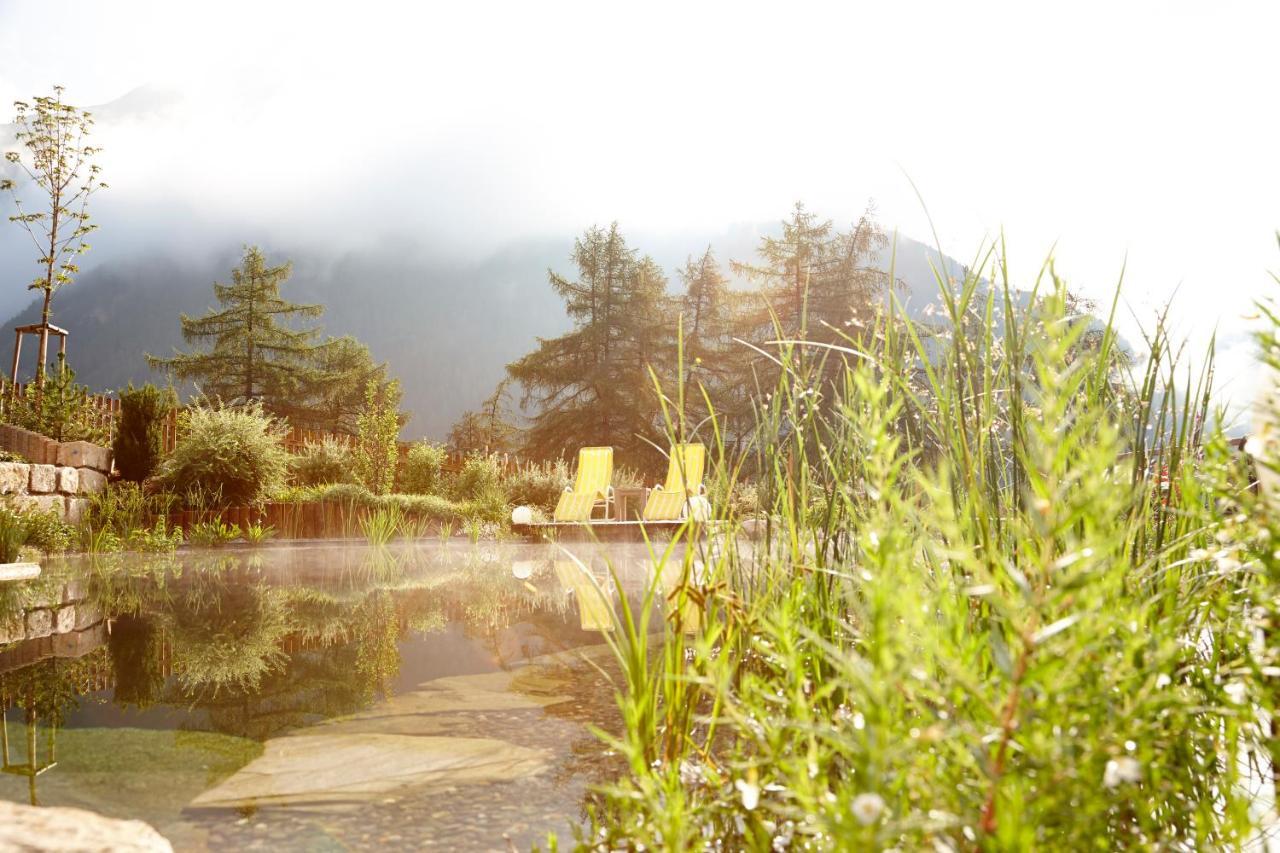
[(13, 535), (212, 534), (984, 613), (256, 534), (381, 525)]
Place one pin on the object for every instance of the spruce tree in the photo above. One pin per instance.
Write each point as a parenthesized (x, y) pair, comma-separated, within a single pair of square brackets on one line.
[(591, 386), (255, 354), (713, 361), (817, 284), (343, 367)]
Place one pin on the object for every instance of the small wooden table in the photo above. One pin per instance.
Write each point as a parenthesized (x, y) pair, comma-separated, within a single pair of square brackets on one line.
[(628, 504)]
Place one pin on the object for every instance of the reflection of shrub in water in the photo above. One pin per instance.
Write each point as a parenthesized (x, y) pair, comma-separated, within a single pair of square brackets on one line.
[(135, 645), (226, 634)]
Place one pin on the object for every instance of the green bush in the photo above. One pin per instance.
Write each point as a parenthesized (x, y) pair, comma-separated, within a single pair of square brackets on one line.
[(480, 474), (490, 505), (433, 507), (420, 471), (232, 456), (321, 462), (538, 485), (47, 532), (375, 453), (139, 440)]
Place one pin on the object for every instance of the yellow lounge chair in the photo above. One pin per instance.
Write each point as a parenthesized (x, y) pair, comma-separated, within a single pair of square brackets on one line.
[(592, 486), (670, 502)]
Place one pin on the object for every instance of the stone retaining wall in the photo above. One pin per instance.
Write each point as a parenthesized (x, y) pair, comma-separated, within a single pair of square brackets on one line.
[(63, 613), (59, 476)]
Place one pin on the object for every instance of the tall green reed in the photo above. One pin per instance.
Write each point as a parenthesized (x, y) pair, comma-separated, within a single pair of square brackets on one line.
[(979, 611)]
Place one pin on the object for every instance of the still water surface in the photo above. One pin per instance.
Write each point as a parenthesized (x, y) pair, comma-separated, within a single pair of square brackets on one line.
[(317, 697)]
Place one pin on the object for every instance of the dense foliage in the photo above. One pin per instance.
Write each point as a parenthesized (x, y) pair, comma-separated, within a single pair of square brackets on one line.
[(227, 455), (139, 438), (376, 452), (61, 409), (1000, 601), (422, 469), (328, 460)]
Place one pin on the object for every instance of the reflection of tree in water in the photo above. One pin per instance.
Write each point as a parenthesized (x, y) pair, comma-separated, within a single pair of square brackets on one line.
[(256, 652), (136, 647), (43, 694), (377, 655)]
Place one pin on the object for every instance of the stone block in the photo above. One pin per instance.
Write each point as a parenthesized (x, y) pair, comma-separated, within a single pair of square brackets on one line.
[(42, 503), (14, 477), (74, 590), (76, 508), (68, 481), (44, 479), (64, 619), (82, 454), (25, 827), (87, 616), (39, 624), (92, 481)]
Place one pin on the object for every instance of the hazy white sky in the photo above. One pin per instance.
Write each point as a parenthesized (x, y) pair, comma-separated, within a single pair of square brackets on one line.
[(1139, 129)]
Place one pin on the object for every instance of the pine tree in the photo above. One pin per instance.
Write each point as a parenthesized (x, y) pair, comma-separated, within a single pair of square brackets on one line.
[(591, 386), (255, 355), (343, 368), (489, 429), (817, 284), (713, 361)]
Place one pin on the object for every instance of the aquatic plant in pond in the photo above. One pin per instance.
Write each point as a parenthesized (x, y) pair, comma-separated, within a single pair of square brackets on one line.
[(974, 618)]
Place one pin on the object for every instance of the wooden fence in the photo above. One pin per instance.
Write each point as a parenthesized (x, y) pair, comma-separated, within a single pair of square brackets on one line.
[(105, 414)]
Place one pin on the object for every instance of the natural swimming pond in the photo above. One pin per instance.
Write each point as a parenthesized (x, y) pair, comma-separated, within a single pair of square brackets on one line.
[(317, 697)]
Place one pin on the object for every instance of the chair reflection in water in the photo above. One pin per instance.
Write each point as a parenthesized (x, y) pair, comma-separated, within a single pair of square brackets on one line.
[(595, 613), (32, 767)]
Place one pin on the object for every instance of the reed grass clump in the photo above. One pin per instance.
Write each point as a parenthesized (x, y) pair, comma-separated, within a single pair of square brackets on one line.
[(992, 604)]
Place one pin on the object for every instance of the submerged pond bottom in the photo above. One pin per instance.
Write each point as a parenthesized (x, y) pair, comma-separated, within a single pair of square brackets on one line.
[(318, 697)]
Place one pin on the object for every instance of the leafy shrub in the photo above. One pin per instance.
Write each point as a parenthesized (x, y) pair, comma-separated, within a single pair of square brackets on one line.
[(139, 440), (158, 538), (233, 453), (256, 534), (420, 472), (212, 534), (47, 531), (320, 462), (538, 485), (480, 474), (490, 505)]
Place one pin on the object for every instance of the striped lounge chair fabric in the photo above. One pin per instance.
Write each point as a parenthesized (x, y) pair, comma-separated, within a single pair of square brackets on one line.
[(685, 465), (592, 485)]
